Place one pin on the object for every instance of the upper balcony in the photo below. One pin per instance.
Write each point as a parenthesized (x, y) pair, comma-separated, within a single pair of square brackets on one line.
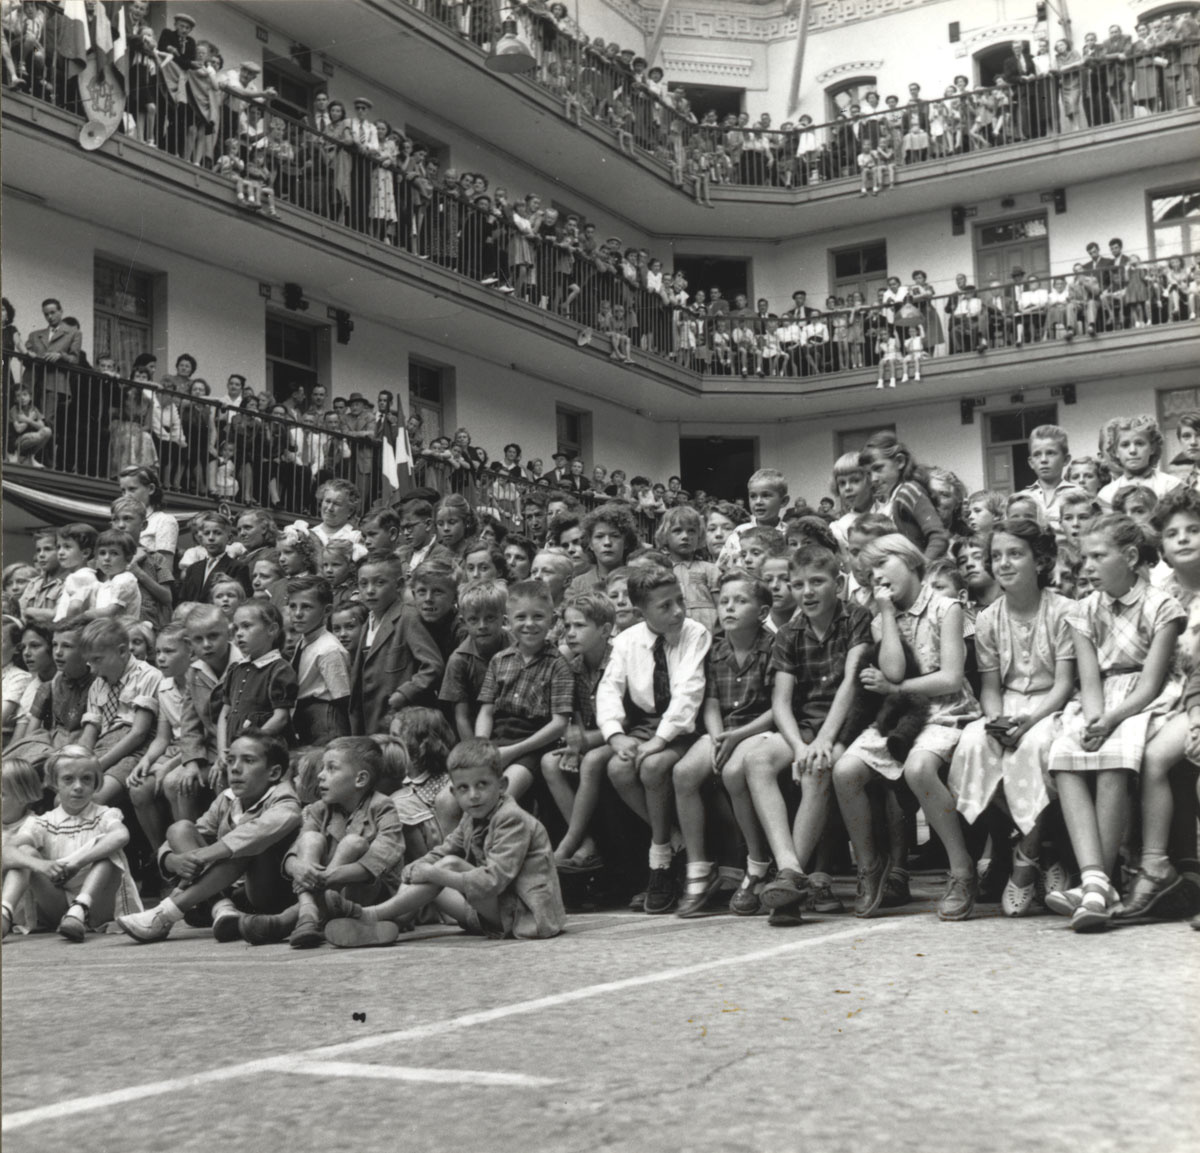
[(457, 276), (560, 120)]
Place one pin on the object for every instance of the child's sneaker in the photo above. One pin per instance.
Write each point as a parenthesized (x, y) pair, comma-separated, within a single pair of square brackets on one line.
[(896, 892), (662, 892), (351, 933), (959, 902), (307, 934), (821, 898), (872, 884), (263, 929), (788, 889), (152, 925), (785, 918)]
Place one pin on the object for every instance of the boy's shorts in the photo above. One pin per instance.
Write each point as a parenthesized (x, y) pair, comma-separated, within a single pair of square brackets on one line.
[(483, 926), (121, 770)]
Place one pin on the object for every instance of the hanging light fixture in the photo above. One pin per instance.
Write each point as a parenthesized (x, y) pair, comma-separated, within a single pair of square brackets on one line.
[(510, 53)]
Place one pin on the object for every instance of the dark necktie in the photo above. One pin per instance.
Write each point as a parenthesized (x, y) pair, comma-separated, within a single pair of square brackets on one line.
[(662, 678), (296, 655)]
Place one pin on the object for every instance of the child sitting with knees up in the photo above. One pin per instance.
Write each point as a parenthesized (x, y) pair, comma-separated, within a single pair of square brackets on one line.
[(351, 841), (494, 874), (71, 859), (236, 848)]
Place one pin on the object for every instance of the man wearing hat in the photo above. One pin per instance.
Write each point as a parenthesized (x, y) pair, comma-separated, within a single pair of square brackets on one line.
[(360, 426), (241, 83), (561, 471), (179, 45), (366, 143)]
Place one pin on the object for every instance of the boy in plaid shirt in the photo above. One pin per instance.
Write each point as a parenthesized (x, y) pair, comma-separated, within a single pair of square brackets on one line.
[(736, 715), (816, 660), (528, 693), (122, 707), (482, 607)]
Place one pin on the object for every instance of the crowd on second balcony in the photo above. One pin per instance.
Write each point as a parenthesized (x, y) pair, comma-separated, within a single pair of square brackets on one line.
[(1046, 89)]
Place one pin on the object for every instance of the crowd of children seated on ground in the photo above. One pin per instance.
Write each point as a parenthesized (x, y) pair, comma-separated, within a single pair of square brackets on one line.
[(334, 732)]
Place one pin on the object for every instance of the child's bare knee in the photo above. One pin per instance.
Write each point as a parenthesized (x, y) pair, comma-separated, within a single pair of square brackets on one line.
[(182, 836), (621, 770), (352, 847)]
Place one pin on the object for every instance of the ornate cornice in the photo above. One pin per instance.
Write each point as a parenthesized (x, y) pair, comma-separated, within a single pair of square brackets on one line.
[(727, 67), (853, 68), (758, 22), (1015, 30)]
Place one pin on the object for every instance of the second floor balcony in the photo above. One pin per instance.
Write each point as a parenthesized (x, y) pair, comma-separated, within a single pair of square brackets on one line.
[(506, 280)]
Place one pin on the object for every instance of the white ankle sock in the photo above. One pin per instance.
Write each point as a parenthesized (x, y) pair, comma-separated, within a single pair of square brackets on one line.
[(170, 911), (1156, 862), (660, 856), (757, 868)]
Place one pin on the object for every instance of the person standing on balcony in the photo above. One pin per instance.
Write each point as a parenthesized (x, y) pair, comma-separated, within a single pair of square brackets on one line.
[(241, 86), (177, 57), (1019, 75), (364, 137), (59, 346), (1115, 51), (1068, 67), (359, 423)]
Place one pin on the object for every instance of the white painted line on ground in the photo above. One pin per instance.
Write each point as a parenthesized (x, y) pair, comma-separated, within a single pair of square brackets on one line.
[(409, 1073), (73, 1106)]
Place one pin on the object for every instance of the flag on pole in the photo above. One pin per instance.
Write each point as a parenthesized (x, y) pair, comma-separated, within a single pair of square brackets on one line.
[(72, 42), (104, 37), (397, 456), (120, 49)]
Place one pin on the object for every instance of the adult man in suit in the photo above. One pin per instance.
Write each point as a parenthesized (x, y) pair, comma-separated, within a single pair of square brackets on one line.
[(1115, 51), (58, 347), (1113, 279), (397, 663), (319, 155), (180, 45), (799, 314), (561, 470), (1019, 75)]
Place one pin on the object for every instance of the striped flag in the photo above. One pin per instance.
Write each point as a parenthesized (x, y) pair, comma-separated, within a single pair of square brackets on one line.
[(73, 41), (397, 456)]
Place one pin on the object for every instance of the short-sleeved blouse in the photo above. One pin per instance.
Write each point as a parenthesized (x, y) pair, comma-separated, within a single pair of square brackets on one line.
[(920, 626), (1025, 653)]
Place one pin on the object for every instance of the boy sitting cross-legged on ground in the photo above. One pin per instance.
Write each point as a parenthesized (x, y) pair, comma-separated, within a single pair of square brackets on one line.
[(494, 874), (736, 715), (350, 841), (239, 842), (646, 705), (816, 659)]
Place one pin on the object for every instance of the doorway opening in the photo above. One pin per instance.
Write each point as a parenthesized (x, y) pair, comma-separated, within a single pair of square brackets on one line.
[(718, 465)]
